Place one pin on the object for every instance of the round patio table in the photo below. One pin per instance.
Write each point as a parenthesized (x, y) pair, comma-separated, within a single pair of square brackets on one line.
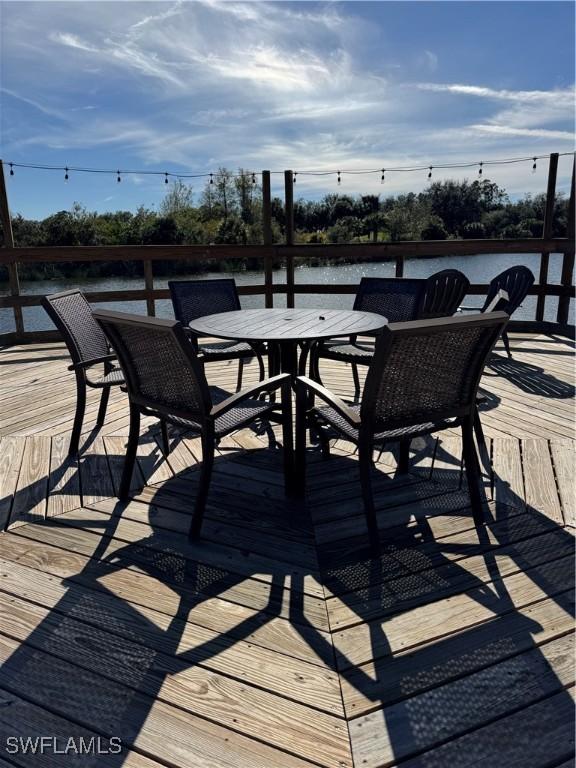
[(285, 329)]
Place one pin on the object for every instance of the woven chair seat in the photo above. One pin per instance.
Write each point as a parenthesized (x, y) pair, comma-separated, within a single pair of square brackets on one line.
[(347, 352), (334, 419), (233, 419), (115, 376), (228, 349)]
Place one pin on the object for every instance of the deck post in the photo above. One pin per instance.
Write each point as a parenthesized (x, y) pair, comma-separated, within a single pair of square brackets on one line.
[(149, 285), (568, 259), (267, 238), (289, 227), (547, 233), (13, 280)]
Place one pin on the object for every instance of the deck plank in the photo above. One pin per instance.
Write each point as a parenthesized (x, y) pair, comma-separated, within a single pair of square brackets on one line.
[(32, 489), (421, 722), (277, 639)]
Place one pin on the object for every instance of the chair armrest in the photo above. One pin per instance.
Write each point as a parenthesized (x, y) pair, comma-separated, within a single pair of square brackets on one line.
[(89, 363), (330, 399), (269, 385)]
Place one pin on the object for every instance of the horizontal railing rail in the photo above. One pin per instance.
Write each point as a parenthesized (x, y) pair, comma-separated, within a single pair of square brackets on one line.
[(287, 254)]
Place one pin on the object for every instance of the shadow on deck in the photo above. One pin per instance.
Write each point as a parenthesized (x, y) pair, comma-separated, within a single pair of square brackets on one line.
[(276, 640)]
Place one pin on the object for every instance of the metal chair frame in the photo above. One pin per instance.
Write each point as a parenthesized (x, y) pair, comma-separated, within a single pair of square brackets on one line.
[(210, 421), (88, 347), (361, 425), (226, 291)]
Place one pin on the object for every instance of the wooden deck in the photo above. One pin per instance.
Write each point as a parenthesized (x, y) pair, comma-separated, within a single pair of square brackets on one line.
[(275, 641)]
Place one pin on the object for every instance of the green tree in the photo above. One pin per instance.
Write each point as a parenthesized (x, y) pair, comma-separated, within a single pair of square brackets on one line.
[(179, 198)]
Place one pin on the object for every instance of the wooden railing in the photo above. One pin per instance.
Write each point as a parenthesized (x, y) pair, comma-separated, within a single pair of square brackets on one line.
[(288, 254)]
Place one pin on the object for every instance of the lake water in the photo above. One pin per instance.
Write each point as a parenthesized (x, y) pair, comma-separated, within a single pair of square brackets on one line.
[(478, 269)]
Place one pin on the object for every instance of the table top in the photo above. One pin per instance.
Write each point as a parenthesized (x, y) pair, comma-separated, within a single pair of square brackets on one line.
[(287, 324)]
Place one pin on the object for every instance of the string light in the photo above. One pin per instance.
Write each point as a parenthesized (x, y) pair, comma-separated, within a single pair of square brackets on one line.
[(66, 177), (339, 173)]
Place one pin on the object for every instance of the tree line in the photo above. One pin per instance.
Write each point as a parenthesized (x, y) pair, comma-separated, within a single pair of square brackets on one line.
[(229, 211)]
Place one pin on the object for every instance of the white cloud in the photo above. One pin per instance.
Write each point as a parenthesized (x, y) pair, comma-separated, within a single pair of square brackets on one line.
[(506, 130), (562, 96), (274, 85)]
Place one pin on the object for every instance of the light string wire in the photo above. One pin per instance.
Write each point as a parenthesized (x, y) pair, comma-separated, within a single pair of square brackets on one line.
[(119, 172)]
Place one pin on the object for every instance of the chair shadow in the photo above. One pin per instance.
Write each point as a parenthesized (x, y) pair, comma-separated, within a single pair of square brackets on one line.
[(529, 378), (102, 658)]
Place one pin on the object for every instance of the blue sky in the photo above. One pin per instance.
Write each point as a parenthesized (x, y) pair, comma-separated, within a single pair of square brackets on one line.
[(190, 86)]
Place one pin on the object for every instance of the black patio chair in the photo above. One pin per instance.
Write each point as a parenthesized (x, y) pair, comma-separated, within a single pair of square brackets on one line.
[(398, 299), (192, 299), (444, 293), (515, 282), (88, 347), (164, 378), (424, 378)]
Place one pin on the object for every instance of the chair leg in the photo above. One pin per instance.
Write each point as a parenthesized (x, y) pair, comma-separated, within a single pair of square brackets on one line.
[(356, 381), (472, 468), (103, 405), (130, 458), (365, 462), (165, 437), (403, 457), (240, 372), (204, 486), (506, 341), (79, 415), (288, 441), (261, 369), (300, 457), (480, 438)]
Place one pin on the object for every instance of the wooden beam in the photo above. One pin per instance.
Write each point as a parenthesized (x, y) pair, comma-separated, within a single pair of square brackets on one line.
[(12, 267), (149, 283), (568, 260), (289, 228), (267, 237), (547, 231), (360, 251)]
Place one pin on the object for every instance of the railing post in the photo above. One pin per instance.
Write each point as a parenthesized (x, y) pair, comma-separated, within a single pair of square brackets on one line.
[(13, 281), (568, 259), (149, 285), (400, 266), (547, 234), (289, 215), (267, 237)]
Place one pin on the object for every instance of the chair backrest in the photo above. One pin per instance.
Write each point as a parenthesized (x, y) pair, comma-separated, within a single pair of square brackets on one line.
[(398, 299), (159, 365), (428, 370), (192, 299), (499, 303), (516, 281), (444, 293), (71, 314)]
